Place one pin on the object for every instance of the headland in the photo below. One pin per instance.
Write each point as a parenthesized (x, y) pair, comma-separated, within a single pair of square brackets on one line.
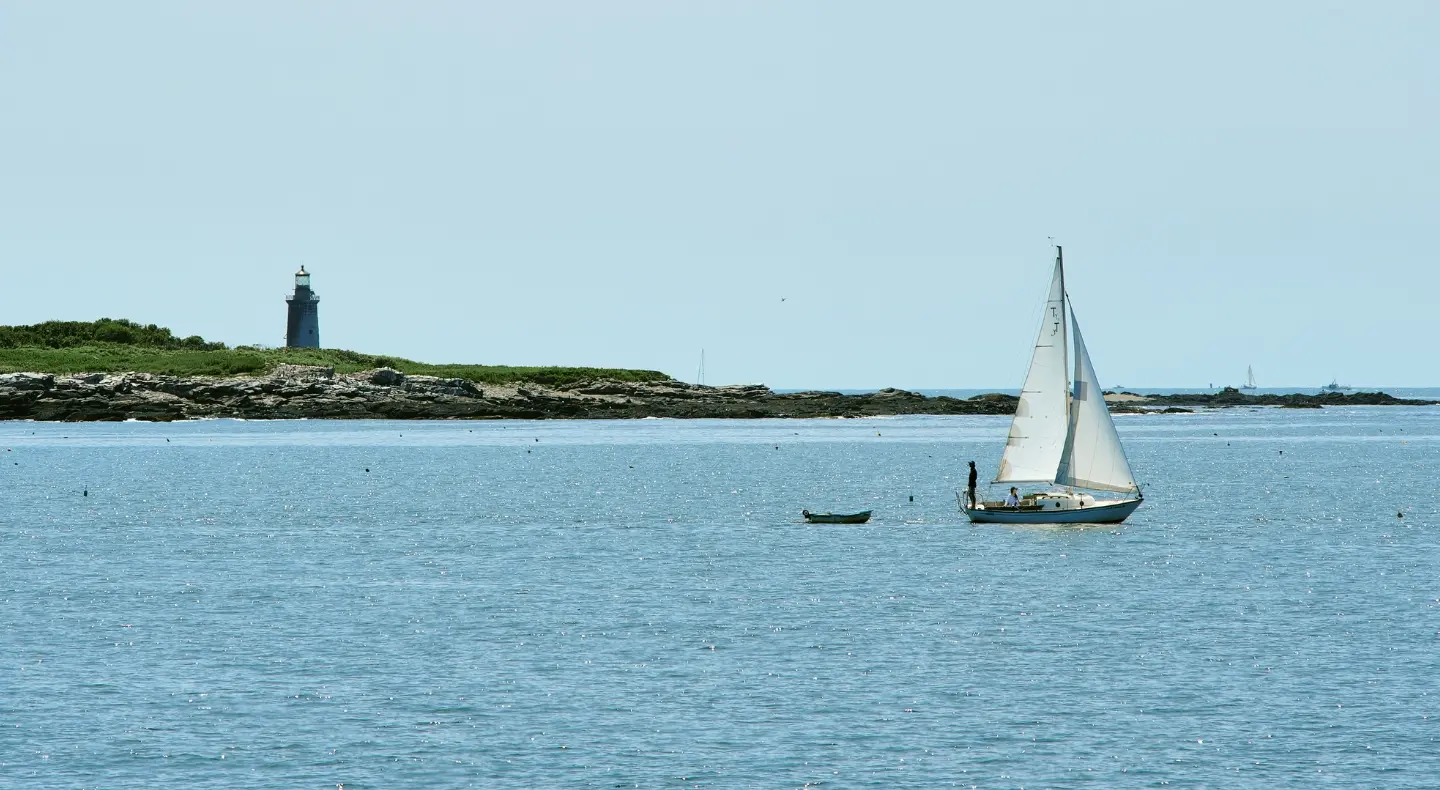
[(1229, 397)]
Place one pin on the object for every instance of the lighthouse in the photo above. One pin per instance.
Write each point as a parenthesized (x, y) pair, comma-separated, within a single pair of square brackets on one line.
[(303, 328)]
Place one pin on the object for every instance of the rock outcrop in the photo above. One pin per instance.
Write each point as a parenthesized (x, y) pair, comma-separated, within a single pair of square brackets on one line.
[(1230, 396)]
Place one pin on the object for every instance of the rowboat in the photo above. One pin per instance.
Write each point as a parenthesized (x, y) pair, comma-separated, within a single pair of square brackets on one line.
[(835, 517)]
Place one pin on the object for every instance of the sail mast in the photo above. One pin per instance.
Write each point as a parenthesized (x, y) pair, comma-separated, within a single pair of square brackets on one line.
[(1064, 320), (1066, 317)]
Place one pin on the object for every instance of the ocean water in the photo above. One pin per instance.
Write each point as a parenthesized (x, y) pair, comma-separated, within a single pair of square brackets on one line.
[(227, 604), (1419, 393)]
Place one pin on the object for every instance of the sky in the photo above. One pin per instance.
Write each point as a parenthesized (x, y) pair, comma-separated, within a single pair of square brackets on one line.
[(817, 194)]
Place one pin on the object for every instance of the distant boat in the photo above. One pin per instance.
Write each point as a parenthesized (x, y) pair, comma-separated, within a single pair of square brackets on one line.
[(1335, 386), (1249, 379), (1062, 433), (836, 518)]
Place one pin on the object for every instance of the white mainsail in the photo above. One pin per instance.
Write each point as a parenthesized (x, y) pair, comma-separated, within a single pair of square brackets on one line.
[(1037, 434), (1093, 456)]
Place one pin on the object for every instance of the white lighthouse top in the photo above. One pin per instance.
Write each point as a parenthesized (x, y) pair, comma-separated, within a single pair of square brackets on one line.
[(302, 278)]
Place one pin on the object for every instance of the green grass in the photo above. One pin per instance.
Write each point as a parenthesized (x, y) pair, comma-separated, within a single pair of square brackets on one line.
[(120, 359), (121, 346), (116, 358)]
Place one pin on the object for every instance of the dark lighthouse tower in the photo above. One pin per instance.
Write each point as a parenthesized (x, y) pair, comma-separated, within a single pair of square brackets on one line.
[(303, 328)]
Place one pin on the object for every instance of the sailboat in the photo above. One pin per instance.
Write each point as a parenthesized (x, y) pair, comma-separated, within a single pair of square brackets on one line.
[(1249, 379), (1062, 433)]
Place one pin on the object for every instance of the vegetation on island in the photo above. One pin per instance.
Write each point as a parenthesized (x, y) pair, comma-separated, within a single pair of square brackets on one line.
[(120, 346), (106, 331)]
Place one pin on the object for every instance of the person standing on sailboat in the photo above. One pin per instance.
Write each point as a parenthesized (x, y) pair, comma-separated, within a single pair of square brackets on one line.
[(970, 487)]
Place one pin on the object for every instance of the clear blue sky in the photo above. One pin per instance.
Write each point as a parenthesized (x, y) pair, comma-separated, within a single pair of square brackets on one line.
[(625, 183)]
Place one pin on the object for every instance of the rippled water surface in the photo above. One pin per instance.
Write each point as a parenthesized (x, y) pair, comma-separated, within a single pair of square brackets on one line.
[(617, 604)]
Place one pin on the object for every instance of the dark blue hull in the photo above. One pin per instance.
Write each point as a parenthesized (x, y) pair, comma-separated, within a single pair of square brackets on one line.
[(1107, 513)]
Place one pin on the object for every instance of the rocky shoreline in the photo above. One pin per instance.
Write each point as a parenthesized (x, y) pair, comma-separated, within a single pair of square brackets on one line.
[(294, 392), (1229, 397)]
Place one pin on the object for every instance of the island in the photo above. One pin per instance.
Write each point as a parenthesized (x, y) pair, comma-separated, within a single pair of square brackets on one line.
[(111, 370)]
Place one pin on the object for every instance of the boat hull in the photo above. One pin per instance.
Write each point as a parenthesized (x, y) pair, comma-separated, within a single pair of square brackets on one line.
[(1107, 513), (837, 518)]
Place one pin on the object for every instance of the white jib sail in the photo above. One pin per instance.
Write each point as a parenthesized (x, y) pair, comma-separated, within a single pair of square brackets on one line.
[(1037, 434), (1093, 456)]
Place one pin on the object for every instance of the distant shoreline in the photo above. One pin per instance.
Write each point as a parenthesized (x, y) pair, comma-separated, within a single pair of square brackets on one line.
[(318, 392)]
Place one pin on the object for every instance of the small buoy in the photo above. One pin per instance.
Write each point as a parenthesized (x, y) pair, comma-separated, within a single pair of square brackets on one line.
[(1400, 514), (367, 468), (912, 497), (537, 438), (85, 492)]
